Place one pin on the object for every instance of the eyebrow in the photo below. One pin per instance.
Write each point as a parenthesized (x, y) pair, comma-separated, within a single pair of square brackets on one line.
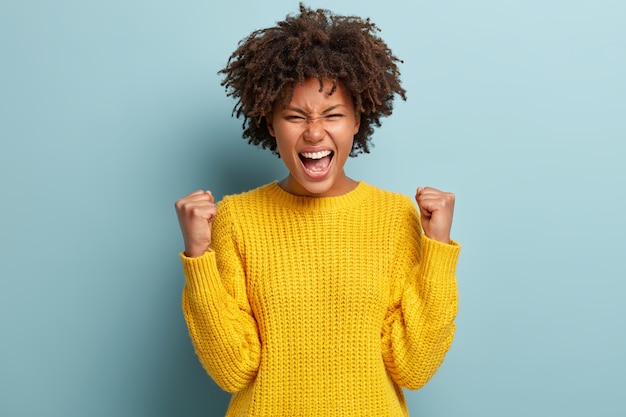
[(325, 111)]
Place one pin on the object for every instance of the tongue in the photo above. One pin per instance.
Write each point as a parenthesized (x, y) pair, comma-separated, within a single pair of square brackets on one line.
[(316, 165)]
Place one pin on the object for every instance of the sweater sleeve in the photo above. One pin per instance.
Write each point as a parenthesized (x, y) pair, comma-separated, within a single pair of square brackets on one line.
[(419, 325), (215, 305)]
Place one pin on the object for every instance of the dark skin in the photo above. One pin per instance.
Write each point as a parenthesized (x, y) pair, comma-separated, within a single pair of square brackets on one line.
[(339, 56), (270, 63), (294, 133)]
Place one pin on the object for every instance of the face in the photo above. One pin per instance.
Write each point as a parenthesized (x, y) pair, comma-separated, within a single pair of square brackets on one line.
[(314, 134)]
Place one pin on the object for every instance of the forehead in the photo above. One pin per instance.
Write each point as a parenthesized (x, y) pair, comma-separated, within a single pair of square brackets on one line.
[(312, 92)]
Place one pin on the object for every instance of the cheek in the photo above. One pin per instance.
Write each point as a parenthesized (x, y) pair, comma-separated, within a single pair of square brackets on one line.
[(284, 143), (285, 134)]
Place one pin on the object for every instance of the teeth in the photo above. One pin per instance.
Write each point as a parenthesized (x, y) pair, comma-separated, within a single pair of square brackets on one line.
[(315, 155)]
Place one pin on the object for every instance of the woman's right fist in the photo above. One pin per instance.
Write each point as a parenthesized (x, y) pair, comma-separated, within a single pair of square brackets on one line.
[(195, 216)]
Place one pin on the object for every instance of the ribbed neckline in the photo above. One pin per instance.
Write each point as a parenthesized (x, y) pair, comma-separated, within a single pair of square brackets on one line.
[(296, 202)]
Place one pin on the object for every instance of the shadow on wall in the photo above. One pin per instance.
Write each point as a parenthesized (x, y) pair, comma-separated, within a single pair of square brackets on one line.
[(217, 158), (241, 167), (186, 389)]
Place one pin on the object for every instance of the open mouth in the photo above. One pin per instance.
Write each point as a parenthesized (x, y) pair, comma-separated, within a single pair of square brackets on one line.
[(316, 163)]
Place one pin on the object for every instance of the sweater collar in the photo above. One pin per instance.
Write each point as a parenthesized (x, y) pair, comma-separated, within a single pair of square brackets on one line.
[(296, 202)]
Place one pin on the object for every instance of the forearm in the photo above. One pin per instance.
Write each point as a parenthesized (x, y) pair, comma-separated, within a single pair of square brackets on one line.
[(420, 326), (224, 336)]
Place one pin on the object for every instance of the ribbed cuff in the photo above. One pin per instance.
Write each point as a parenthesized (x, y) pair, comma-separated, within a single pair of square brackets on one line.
[(202, 276), (441, 256)]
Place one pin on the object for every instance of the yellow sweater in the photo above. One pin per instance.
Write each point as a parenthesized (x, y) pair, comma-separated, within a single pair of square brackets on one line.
[(320, 306)]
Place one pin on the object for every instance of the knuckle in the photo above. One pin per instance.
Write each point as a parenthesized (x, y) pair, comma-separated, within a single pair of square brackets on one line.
[(180, 205)]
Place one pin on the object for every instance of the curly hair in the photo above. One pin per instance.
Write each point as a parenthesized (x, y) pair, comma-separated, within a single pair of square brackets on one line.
[(314, 44)]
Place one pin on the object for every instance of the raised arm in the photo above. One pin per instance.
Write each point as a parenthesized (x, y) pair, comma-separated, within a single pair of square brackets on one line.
[(218, 315), (419, 326)]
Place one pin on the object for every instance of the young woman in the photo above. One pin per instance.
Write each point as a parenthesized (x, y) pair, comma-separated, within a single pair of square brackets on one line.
[(318, 295)]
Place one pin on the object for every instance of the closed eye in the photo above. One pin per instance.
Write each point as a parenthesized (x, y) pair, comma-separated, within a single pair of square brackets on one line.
[(301, 119), (295, 118)]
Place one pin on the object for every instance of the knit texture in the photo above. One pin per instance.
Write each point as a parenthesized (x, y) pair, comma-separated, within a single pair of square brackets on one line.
[(320, 306)]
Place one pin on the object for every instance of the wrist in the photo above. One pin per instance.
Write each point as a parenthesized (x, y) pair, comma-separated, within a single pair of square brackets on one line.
[(196, 251), (439, 238)]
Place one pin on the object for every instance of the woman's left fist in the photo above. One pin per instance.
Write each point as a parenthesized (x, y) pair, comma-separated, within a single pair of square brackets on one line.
[(436, 211)]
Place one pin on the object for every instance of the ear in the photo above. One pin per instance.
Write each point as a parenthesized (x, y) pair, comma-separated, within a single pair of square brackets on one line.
[(269, 122), (357, 122)]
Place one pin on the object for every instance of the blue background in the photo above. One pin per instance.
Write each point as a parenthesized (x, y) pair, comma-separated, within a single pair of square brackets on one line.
[(111, 110)]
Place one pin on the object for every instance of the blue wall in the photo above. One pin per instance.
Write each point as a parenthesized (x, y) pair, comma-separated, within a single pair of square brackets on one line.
[(111, 110)]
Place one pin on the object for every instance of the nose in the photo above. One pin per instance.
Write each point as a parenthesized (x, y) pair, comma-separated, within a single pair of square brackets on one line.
[(315, 131)]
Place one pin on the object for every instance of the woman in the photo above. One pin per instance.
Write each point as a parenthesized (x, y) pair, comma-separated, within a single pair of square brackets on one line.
[(318, 295)]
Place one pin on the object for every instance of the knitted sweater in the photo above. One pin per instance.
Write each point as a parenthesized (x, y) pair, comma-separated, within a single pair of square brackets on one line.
[(320, 306)]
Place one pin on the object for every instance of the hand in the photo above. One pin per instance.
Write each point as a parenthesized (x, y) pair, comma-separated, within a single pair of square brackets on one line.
[(195, 216), (436, 211)]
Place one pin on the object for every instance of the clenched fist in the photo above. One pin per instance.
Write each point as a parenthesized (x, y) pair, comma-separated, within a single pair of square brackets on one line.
[(195, 216), (436, 211)]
